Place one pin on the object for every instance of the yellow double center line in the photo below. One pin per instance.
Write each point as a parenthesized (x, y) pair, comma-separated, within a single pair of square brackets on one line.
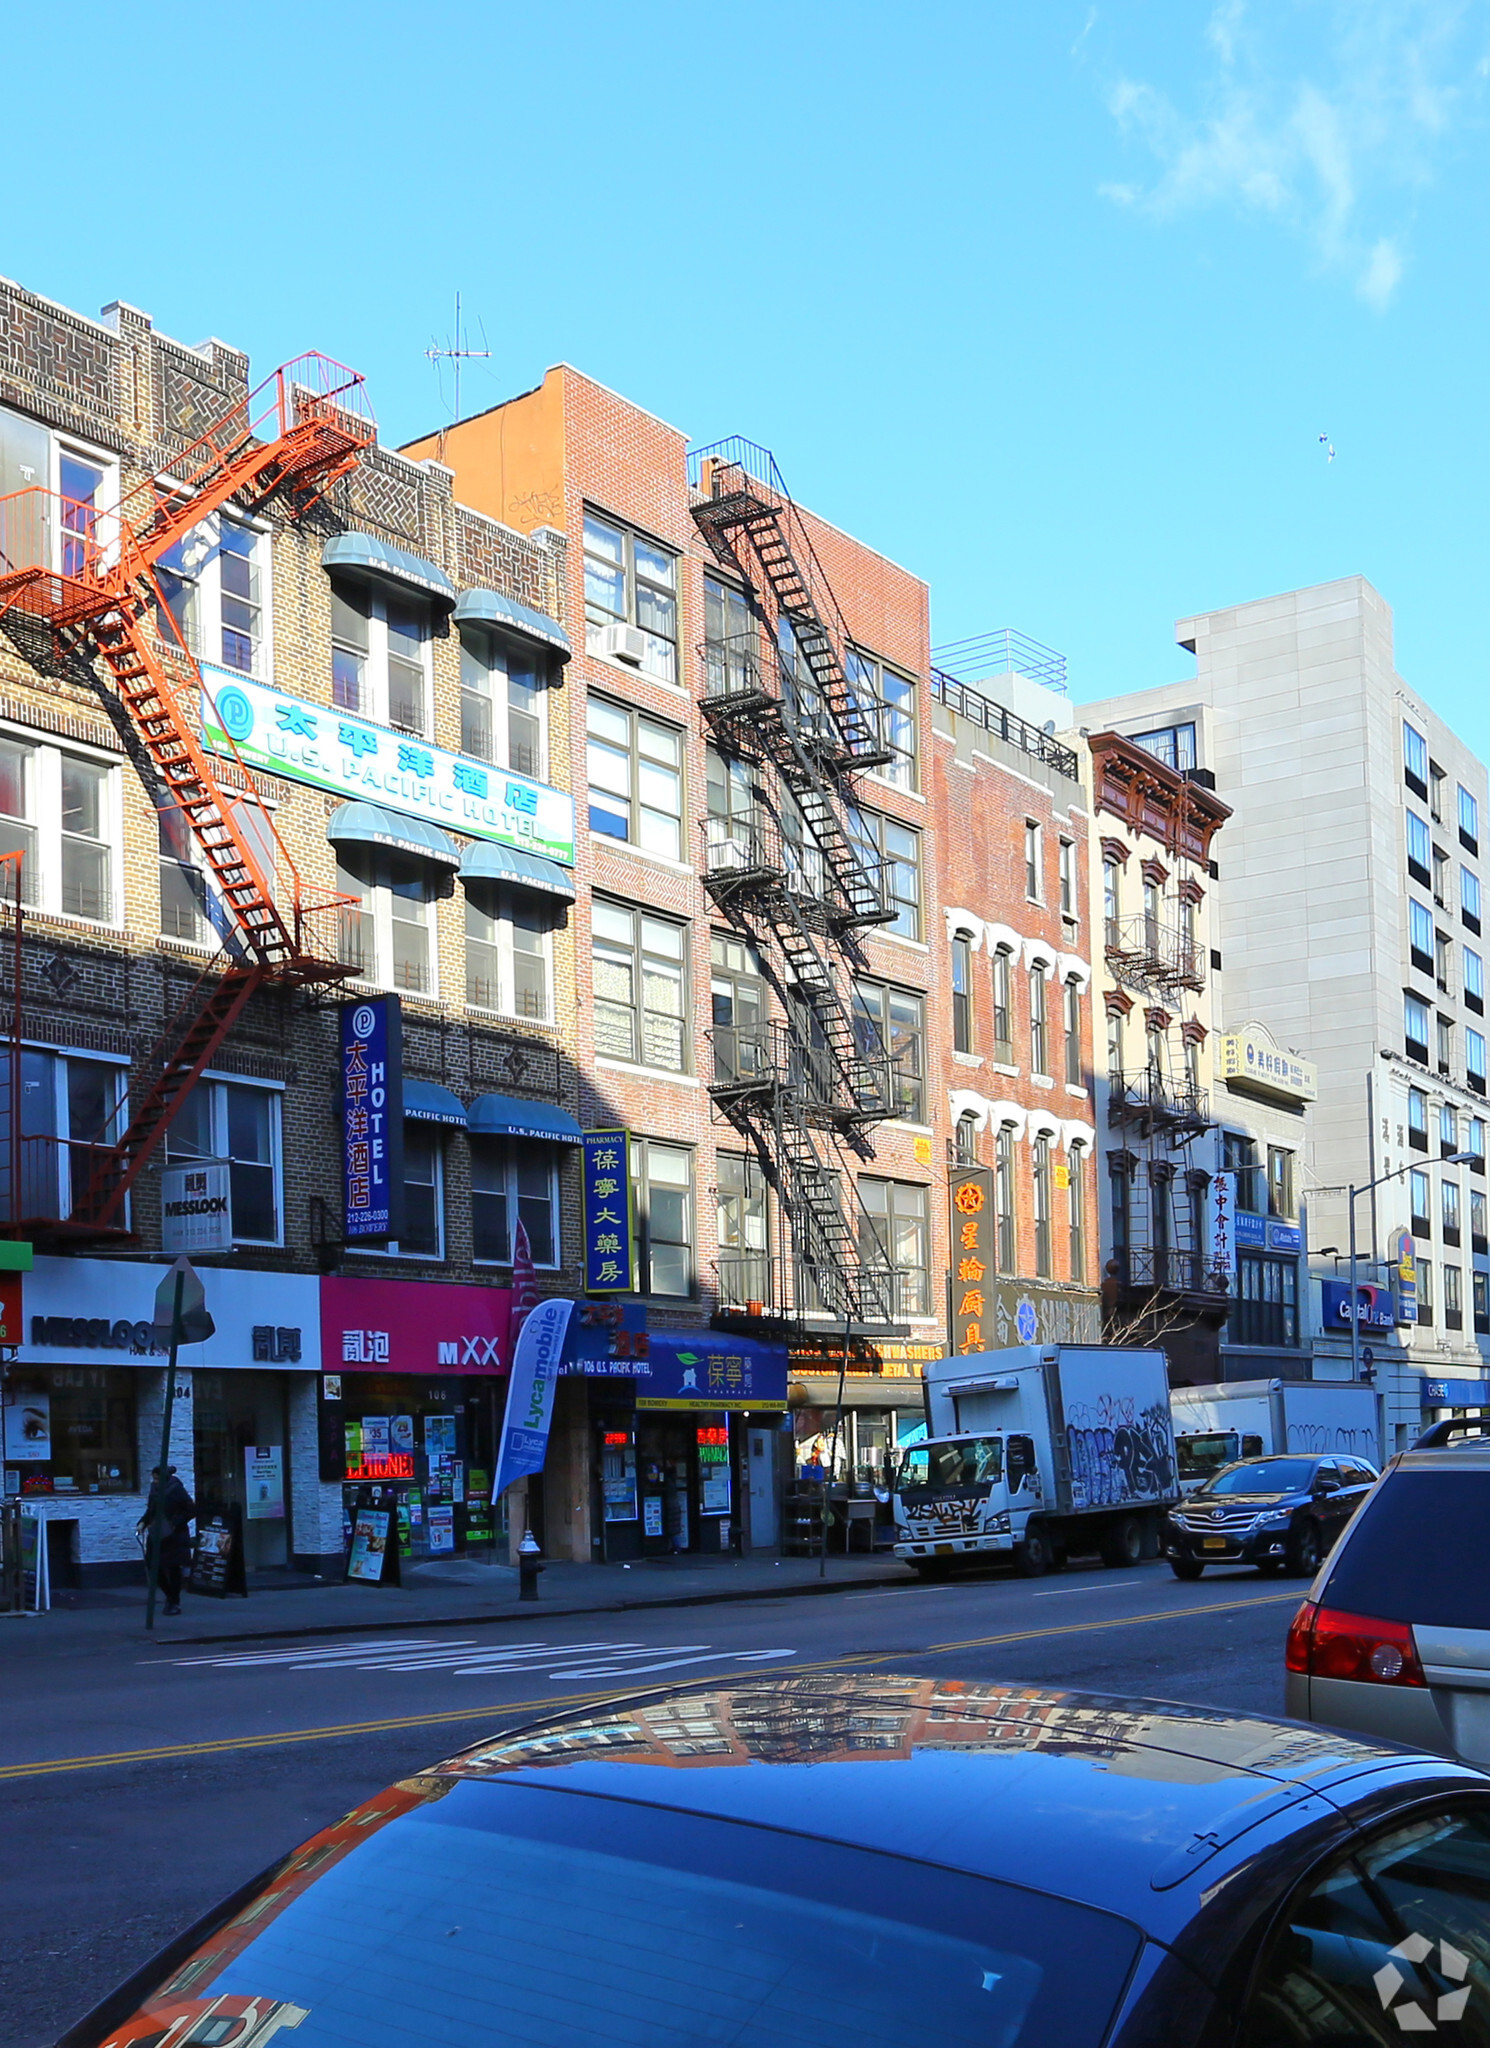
[(344, 1730)]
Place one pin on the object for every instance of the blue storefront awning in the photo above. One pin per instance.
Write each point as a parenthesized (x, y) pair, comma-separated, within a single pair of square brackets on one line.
[(490, 608), (511, 1116), (428, 1103), (359, 824), (373, 556), (488, 862)]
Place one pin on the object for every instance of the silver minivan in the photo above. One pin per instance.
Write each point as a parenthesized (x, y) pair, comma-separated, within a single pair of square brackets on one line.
[(1394, 1637)]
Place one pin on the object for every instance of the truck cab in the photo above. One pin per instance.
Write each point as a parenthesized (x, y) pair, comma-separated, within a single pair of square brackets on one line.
[(959, 1494)]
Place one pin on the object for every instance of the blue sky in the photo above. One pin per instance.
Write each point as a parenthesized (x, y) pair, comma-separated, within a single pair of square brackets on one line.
[(1051, 302)]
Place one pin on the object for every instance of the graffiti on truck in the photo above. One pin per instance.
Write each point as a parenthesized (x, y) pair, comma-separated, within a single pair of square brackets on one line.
[(1320, 1439), (1119, 1452)]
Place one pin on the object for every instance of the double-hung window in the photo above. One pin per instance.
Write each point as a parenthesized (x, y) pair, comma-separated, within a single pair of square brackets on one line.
[(1076, 1211), (1448, 1192), (214, 583), (662, 1207), (1420, 935), (962, 994), (1280, 1181), (1445, 1027), (1068, 880), (881, 839), (1071, 1017), (513, 1181), (1415, 1027), (1419, 848), (1005, 1215), (641, 981), (1003, 1005), (503, 693), (744, 1244), (1039, 1024), (636, 778), (380, 655), (1448, 1129), (1474, 980), (387, 930), (508, 952), (1032, 880), (1453, 1298), (1239, 1157), (1042, 1207), (895, 1233), (1419, 1195), (1469, 898), (238, 1122), (58, 810), (1477, 1239), (1417, 1119), (631, 601), (890, 698), (892, 1021), (1415, 758), (72, 1107), (1112, 899), (1474, 1059), (1469, 820)]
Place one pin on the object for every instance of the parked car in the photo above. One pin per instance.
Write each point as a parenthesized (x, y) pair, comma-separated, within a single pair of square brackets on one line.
[(856, 1862), (1281, 1514), (1394, 1638)]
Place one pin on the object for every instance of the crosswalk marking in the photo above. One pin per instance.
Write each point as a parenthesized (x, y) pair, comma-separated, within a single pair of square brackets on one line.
[(464, 1657)]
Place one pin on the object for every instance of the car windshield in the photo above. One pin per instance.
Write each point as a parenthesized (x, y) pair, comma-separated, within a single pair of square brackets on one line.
[(976, 1461), (511, 1916), (1417, 1552), (1268, 1475)]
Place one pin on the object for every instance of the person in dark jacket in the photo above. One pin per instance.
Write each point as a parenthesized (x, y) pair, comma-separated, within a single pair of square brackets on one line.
[(168, 1495)]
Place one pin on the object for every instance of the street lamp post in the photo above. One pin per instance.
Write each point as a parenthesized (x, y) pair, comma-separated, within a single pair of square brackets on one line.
[(1451, 1159)]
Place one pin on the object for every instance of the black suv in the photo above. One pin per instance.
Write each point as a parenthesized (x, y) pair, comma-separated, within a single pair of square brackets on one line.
[(1280, 1513)]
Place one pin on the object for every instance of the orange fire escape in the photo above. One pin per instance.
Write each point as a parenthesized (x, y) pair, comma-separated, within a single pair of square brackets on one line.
[(90, 576)]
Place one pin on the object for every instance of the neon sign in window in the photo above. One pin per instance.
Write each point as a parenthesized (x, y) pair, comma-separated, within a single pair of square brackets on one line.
[(396, 1465)]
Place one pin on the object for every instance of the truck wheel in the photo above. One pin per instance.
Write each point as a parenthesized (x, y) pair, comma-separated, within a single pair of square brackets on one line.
[(1122, 1543), (932, 1567), (1032, 1557), (1185, 1567), (1303, 1552)]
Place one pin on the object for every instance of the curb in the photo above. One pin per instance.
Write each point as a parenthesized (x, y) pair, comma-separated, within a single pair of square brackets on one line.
[(357, 1628)]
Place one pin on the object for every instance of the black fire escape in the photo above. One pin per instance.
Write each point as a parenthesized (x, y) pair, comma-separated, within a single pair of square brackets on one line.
[(788, 874)]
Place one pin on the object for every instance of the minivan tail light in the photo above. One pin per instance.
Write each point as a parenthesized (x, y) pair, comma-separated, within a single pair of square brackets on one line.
[(1325, 1642)]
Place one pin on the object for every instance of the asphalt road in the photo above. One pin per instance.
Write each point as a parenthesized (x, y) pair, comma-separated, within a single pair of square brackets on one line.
[(137, 1785)]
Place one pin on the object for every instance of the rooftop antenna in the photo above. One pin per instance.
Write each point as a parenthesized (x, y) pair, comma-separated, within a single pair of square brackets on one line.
[(457, 354)]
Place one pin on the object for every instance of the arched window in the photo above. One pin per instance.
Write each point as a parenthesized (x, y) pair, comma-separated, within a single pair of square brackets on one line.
[(1039, 1028), (1043, 1177), (967, 1139), (1076, 1212), (1003, 1022)]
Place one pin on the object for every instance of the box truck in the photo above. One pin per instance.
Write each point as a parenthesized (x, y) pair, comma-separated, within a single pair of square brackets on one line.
[(1214, 1426), (1035, 1453)]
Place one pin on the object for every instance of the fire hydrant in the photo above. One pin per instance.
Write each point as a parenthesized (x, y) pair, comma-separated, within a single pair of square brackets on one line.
[(528, 1567)]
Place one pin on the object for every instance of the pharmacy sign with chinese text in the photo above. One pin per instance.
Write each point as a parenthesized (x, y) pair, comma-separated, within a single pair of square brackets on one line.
[(973, 1260), (609, 1252)]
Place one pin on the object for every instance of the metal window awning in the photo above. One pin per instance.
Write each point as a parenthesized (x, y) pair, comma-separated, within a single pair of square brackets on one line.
[(426, 1102), (491, 608), (487, 862), (511, 1116), (370, 555), (359, 824)]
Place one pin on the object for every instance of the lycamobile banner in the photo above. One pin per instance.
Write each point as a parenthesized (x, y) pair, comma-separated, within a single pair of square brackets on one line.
[(530, 1393)]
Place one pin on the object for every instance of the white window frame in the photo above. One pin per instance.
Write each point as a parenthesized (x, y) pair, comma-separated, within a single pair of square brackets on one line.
[(637, 766), (375, 708), (61, 1117), (202, 569), (550, 1161), (380, 902), (501, 943), (499, 655), (273, 1093), (44, 805), (662, 661), (1034, 861), (868, 672), (393, 1250)]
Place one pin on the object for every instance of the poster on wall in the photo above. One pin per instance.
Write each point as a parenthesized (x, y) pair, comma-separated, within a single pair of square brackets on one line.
[(28, 1425), (441, 1530), (264, 1482)]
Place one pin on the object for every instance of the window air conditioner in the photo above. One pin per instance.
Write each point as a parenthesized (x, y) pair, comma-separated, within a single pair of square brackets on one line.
[(624, 643)]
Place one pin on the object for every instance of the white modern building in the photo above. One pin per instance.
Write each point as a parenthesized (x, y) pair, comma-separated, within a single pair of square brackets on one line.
[(1348, 888)]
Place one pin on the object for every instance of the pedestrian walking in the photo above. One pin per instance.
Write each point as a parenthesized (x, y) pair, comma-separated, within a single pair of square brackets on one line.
[(169, 1498)]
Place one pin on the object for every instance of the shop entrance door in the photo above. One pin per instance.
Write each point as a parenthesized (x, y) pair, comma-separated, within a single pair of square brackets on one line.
[(239, 1441)]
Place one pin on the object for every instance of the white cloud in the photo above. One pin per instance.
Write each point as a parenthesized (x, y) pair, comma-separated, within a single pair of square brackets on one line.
[(1325, 115)]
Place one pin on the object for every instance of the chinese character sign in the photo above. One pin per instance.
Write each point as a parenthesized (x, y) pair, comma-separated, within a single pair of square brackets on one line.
[(973, 1259), (372, 1102), (1223, 1227), (609, 1257)]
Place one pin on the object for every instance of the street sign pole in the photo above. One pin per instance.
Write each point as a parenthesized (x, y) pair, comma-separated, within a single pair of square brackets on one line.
[(1355, 1319), (156, 1535)]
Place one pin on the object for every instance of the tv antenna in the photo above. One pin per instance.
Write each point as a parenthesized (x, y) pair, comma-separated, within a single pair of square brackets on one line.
[(457, 354)]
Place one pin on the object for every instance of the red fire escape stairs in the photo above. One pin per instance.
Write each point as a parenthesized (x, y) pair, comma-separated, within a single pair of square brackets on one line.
[(91, 577)]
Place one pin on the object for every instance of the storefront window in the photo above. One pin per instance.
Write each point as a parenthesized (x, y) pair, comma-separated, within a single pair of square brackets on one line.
[(71, 1430), (418, 1437)]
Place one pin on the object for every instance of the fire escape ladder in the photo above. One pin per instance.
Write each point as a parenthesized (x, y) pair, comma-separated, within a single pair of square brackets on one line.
[(831, 1274), (199, 1028)]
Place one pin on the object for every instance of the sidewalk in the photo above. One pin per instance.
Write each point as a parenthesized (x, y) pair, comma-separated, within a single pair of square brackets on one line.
[(457, 1594)]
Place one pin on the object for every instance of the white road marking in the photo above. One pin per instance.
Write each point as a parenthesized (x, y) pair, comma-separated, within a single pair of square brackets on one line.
[(465, 1657), (1096, 1586)]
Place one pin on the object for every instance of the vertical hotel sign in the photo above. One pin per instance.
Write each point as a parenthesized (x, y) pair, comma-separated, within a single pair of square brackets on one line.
[(609, 1252), (972, 1259), (372, 1105)]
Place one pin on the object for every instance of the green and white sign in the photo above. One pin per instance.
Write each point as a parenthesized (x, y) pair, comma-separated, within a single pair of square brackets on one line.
[(317, 744)]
